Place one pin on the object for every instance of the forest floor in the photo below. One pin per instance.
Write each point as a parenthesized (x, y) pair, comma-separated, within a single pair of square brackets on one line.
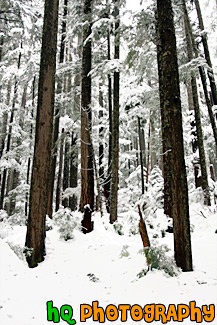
[(107, 266)]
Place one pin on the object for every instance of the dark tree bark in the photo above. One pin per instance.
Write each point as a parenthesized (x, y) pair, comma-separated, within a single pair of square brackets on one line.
[(35, 237), (141, 155), (9, 134), (56, 118), (86, 223), (101, 131), (87, 168), (206, 52), (59, 177), (100, 179), (66, 166), (199, 132), (1, 46), (13, 178), (73, 200), (171, 115), (203, 79), (31, 131), (148, 153), (143, 230), (115, 122), (153, 145), (143, 146), (73, 172), (107, 186), (110, 125), (5, 121)]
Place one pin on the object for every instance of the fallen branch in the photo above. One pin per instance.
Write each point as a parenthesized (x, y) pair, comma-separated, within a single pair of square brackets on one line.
[(143, 230)]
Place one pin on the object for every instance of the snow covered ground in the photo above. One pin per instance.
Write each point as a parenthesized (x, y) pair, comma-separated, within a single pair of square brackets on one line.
[(103, 266)]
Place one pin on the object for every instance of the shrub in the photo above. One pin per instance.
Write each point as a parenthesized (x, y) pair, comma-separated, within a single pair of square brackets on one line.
[(157, 259), (66, 222)]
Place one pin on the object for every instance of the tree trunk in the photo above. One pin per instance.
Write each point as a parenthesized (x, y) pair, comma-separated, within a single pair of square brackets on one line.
[(73, 200), (148, 154), (202, 158), (35, 237), (115, 122), (172, 116), (141, 156), (107, 182), (153, 145), (101, 131), (65, 201), (206, 52), (31, 130), (203, 79), (1, 46), (199, 132), (5, 121), (56, 118), (14, 175), (9, 135), (59, 177), (143, 146), (87, 168), (73, 172), (143, 230)]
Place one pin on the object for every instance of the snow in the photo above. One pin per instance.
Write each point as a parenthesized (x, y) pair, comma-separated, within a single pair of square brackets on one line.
[(103, 266)]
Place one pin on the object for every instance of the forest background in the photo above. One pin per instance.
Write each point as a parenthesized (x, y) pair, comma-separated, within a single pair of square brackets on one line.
[(85, 167)]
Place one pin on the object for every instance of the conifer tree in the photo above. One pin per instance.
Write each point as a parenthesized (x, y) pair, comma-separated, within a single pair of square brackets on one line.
[(115, 122), (87, 168), (35, 237), (206, 52), (57, 118), (171, 115), (199, 132)]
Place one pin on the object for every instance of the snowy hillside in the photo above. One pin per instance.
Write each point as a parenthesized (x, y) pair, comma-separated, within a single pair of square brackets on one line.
[(105, 266)]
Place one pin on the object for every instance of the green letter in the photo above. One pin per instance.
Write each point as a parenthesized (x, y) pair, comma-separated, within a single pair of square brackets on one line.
[(67, 315), (52, 313)]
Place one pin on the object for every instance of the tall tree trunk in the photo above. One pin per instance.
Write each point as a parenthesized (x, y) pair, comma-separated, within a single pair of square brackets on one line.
[(171, 115), (100, 179), (148, 153), (101, 131), (143, 146), (56, 118), (30, 146), (73, 172), (115, 122), (202, 158), (13, 182), (206, 52), (203, 79), (199, 132), (107, 183), (9, 135), (153, 145), (5, 121), (59, 177), (1, 47), (87, 168), (66, 166), (73, 200), (14, 175), (141, 156), (35, 237)]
